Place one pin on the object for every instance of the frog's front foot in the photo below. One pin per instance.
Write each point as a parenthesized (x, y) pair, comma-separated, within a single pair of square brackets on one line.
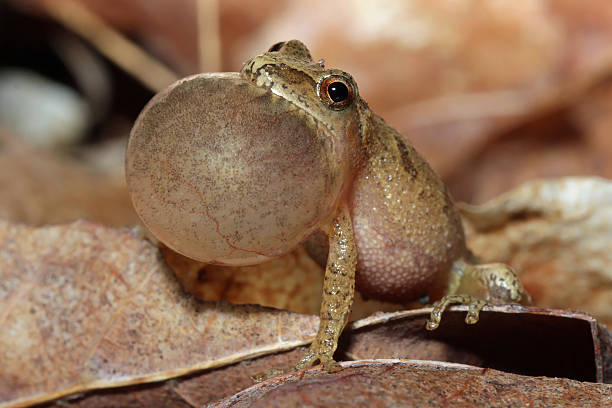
[(310, 358), (475, 306), (323, 356)]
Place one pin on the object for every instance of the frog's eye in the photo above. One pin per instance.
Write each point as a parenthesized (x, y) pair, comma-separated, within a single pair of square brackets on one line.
[(336, 91)]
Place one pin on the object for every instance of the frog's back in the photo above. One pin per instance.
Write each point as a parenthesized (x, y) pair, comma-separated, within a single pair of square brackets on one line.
[(407, 230)]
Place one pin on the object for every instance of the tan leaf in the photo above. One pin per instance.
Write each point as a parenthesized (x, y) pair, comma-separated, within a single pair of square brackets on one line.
[(532, 341)]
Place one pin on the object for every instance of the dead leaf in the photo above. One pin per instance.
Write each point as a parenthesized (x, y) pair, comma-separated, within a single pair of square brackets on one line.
[(291, 282), (186, 391), (85, 307), (100, 310), (422, 384), (557, 234), (605, 341), (538, 342)]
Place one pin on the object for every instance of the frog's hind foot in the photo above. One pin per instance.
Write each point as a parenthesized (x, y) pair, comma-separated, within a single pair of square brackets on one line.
[(475, 306)]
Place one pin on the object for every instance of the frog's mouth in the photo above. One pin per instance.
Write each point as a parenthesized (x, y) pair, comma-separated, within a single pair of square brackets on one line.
[(227, 172)]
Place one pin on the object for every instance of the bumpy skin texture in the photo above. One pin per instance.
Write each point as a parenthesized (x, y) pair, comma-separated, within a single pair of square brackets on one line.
[(407, 230), (236, 169)]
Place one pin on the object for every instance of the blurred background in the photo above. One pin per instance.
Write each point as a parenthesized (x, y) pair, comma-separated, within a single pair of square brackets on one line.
[(492, 93)]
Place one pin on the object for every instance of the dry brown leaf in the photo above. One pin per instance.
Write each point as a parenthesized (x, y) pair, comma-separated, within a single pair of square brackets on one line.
[(291, 282), (424, 384), (100, 309), (538, 343), (605, 341), (186, 391), (557, 234), (85, 306)]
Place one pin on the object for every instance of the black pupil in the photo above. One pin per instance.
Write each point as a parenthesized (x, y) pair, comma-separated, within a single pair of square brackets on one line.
[(337, 91)]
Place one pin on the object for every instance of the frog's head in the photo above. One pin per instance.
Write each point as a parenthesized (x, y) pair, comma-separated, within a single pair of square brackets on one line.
[(287, 70)]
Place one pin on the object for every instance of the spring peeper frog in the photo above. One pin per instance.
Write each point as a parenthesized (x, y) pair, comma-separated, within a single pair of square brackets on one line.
[(238, 168)]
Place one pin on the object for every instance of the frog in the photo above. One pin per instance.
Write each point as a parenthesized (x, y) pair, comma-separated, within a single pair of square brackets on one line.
[(239, 168)]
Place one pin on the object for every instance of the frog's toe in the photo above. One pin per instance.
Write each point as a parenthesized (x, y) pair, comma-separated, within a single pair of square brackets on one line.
[(328, 363), (473, 314), (331, 365), (475, 305), (436, 315), (309, 359), (273, 372)]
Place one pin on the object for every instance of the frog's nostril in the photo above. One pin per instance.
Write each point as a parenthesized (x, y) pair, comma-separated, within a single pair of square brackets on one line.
[(277, 46)]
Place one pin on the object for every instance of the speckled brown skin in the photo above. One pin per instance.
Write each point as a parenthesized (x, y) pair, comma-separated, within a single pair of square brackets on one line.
[(338, 292), (237, 169), (407, 230)]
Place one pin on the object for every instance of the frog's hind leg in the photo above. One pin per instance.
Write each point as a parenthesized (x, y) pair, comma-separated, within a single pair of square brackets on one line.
[(476, 286)]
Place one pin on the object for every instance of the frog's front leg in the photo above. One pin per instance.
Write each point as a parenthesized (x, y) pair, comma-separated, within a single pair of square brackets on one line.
[(338, 295), (477, 285), (338, 292)]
